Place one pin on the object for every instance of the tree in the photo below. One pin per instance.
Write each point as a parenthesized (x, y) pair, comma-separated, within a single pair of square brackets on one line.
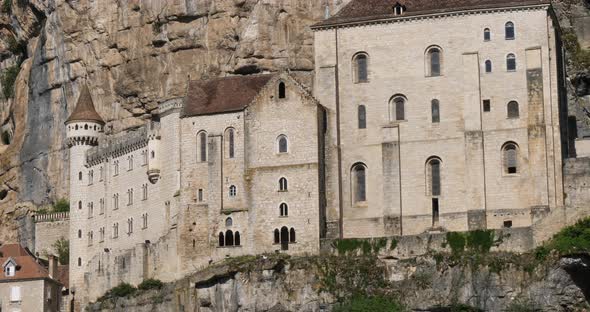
[(62, 247)]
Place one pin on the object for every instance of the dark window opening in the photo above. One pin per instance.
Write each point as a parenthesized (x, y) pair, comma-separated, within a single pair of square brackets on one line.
[(283, 144), (231, 143), (488, 66), (360, 183), (284, 238), (511, 62), (509, 29), (487, 35), (221, 239), (277, 236), (434, 58), (435, 109), (229, 238), (237, 239), (487, 105), (361, 68), (508, 223), (512, 109), (203, 146), (282, 90), (292, 235), (435, 212), (362, 117), (435, 177)]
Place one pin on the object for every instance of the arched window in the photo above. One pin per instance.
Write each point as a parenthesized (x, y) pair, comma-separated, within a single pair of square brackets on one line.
[(283, 184), (229, 238), (202, 146), (80, 175), (435, 109), (230, 142), (511, 62), (277, 236), (79, 261), (433, 177), (284, 238), (237, 239), (512, 109), (229, 222), (282, 90), (362, 117), (487, 35), (510, 158), (398, 9), (397, 108), (233, 191), (488, 66), (509, 31), (284, 210), (292, 235), (359, 183), (283, 144), (434, 61), (85, 126), (79, 233), (153, 154), (361, 70), (221, 239)]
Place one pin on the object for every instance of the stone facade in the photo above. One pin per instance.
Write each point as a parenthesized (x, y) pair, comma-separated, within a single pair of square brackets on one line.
[(255, 164), (476, 191)]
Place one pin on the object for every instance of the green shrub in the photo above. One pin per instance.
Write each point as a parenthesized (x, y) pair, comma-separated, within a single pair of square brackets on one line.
[(456, 241), (17, 47), (121, 290), (62, 247), (6, 6), (480, 240), (61, 205), (572, 239), (8, 79), (369, 304), (579, 56), (150, 283)]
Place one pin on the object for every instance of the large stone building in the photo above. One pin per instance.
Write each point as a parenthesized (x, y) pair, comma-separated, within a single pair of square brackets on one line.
[(430, 116)]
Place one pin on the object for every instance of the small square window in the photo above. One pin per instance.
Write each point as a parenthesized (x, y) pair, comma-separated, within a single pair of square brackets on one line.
[(508, 223), (487, 106)]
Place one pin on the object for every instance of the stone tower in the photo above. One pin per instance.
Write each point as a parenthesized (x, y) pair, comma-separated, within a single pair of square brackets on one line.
[(82, 131)]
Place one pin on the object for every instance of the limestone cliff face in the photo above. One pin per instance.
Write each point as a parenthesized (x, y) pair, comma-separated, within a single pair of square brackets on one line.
[(422, 284), (133, 54)]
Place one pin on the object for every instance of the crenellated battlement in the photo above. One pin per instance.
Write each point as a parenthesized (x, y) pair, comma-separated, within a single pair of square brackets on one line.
[(117, 145)]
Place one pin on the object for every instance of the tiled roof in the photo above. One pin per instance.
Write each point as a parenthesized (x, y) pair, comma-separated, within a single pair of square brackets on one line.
[(367, 10), (27, 266), (85, 110), (223, 95)]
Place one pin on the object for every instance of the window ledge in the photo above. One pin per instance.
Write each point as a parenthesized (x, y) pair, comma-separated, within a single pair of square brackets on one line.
[(282, 191), (238, 246), (513, 38), (431, 76), (511, 175), (362, 204), (284, 216), (361, 82)]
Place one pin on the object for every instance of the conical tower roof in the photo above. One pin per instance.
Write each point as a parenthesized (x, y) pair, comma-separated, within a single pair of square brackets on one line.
[(84, 110)]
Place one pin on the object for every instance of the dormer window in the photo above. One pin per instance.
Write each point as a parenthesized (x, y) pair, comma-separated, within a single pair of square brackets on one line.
[(399, 9), (9, 269)]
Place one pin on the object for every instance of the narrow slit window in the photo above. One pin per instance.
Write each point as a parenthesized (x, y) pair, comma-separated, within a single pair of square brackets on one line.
[(435, 109), (362, 117)]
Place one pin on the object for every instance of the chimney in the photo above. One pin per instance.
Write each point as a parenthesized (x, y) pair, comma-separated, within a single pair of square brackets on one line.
[(53, 267)]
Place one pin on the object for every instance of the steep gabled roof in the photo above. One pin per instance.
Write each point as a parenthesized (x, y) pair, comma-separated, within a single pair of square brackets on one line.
[(27, 265), (85, 110), (223, 95), (367, 10)]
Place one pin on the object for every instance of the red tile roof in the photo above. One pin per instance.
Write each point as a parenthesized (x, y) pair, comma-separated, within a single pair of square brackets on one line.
[(367, 10), (223, 95), (27, 265), (85, 110)]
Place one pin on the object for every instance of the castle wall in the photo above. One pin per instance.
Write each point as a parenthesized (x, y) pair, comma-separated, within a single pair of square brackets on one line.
[(467, 140), (50, 228)]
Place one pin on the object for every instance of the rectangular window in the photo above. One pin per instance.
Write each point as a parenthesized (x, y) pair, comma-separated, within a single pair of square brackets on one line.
[(15, 295), (200, 195), (435, 178), (487, 105), (508, 223), (435, 212)]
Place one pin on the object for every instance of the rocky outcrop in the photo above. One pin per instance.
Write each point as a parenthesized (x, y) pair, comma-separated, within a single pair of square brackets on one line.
[(431, 283)]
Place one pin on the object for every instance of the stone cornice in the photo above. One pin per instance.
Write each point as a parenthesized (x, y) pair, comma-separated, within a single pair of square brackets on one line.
[(399, 19)]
